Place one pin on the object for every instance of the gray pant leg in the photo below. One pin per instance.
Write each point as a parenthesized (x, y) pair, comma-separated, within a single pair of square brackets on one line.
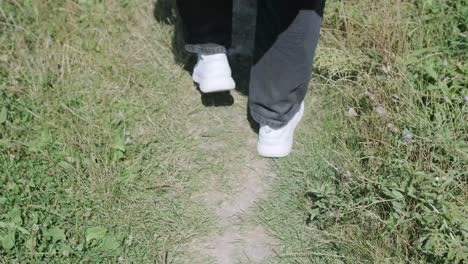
[(282, 68)]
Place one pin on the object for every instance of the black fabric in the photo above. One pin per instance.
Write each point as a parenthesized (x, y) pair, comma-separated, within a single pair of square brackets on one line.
[(206, 21), (286, 38)]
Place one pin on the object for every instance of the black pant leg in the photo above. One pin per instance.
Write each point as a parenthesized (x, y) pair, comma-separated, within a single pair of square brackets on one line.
[(206, 21), (286, 39)]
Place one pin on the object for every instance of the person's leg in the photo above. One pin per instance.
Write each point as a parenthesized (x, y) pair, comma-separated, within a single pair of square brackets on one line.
[(207, 32), (207, 24), (286, 39)]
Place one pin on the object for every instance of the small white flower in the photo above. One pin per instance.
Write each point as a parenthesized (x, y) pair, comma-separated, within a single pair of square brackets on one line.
[(392, 128), (347, 175), (35, 228), (65, 253), (381, 111), (129, 241), (386, 68), (352, 113), (370, 96), (466, 98), (408, 136), (121, 259)]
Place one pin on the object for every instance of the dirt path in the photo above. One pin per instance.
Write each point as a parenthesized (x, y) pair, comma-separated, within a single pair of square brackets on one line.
[(239, 241), (242, 181), (232, 177), (244, 177)]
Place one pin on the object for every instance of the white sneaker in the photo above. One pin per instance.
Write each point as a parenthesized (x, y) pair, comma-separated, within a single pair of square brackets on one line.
[(213, 74), (277, 143)]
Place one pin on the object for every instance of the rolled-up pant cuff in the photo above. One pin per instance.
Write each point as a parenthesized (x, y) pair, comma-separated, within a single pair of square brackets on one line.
[(207, 49), (269, 119)]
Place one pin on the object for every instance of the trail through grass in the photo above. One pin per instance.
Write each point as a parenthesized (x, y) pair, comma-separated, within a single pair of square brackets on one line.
[(109, 154)]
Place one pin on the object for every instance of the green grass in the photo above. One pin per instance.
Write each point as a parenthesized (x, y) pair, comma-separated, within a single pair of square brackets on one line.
[(380, 171), (96, 164)]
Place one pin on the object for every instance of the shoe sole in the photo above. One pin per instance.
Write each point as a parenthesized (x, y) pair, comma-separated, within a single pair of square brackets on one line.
[(213, 85), (278, 151), (269, 151)]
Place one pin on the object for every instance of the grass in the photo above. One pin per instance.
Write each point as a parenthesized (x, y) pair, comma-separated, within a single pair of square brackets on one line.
[(380, 171), (98, 166)]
